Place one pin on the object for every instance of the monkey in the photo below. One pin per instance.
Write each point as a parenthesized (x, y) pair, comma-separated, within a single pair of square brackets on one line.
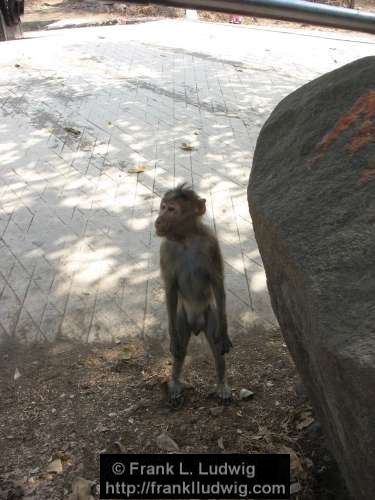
[(192, 271)]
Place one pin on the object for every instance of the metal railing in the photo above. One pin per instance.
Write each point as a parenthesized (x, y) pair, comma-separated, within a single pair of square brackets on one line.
[(288, 10)]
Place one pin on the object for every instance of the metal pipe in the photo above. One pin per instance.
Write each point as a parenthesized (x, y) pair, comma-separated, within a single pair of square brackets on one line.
[(288, 10)]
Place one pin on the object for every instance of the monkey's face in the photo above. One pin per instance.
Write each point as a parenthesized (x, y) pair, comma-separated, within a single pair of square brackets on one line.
[(170, 216), (179, 215)]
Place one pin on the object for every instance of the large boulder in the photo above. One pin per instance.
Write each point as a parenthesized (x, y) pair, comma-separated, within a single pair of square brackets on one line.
[(312, 201)]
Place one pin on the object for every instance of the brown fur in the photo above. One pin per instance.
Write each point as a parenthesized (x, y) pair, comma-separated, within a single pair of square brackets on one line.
[(193, 274)]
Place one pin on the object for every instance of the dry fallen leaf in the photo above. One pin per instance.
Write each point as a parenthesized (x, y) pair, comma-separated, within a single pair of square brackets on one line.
[(119, 447), (81, 489), (166, 443), (101, 428), (216, 411), (137, 169), (296, 468), (246, 394), (306, 419), (295, 488), (305, 423), (187, 146), (72, 131), (55, 466), (126, 354), (263, 433), (17, 374)]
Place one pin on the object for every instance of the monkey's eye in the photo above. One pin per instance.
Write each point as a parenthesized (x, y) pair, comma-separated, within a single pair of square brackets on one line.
[(171, 209)]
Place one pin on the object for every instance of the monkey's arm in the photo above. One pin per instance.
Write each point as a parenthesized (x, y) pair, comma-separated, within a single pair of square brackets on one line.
[(217, 281), (171, 296), (170, 285), (222, 330)]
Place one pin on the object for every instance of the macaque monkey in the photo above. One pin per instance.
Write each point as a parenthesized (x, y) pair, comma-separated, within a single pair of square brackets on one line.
[(193, 273)]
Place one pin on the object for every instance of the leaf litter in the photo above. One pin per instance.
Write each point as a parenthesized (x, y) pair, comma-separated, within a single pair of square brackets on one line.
[(110, 392)]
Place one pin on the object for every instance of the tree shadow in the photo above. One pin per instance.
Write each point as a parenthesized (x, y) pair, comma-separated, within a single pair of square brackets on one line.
[(78, 253)]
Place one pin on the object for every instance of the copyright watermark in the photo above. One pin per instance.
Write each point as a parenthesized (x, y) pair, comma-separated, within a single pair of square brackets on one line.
[(200, 476), (118, 468)]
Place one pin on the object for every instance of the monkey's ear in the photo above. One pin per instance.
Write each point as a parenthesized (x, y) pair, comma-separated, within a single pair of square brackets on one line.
[(201, 206)]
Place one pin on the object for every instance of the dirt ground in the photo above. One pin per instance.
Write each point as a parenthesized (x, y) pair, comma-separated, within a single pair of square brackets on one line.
[(53, 14), (66, 403), (63, 404)]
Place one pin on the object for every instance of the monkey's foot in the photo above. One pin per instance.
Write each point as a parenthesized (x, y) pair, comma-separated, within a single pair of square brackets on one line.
[(176, 396), (222, 392)]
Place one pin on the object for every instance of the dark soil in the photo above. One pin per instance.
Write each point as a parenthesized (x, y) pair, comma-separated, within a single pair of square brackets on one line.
[(73, 402)]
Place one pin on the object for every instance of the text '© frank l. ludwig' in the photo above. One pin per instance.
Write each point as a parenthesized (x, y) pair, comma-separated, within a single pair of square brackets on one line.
[(204, 469)]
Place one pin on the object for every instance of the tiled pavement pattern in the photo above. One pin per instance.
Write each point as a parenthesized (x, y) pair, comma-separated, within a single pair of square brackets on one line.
[(78, 254)]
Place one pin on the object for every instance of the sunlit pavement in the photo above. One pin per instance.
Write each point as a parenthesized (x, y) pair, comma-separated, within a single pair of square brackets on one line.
[(78, 108)]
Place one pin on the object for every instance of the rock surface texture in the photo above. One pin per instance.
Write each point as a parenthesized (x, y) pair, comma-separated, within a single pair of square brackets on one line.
[(312, 200)]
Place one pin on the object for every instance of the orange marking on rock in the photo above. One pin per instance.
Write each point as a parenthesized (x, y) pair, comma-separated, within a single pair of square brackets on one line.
[(364, 135), (364, 105)]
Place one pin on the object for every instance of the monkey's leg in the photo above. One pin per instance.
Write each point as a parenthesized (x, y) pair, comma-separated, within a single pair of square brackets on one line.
[(222, 390), (179, 346)]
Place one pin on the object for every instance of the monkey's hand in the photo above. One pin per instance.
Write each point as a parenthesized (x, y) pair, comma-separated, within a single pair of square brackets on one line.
[(226, 345), (222, 339), (223, 342)]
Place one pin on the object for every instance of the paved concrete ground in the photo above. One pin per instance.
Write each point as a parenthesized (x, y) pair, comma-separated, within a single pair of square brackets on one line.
[(78, 254)]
